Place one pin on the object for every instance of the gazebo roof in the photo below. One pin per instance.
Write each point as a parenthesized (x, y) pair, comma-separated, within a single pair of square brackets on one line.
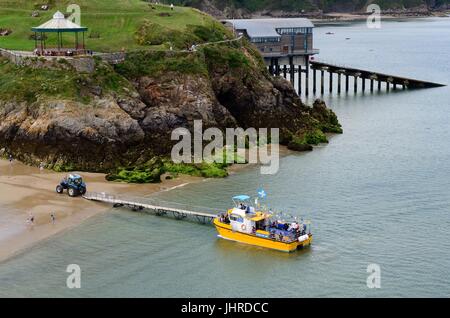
[(59, 24)]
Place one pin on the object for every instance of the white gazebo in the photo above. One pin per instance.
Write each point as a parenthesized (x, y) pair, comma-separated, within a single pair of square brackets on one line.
[(59, 25)]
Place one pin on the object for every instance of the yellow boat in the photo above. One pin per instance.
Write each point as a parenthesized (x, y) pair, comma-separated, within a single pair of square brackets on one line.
[(246, 225)]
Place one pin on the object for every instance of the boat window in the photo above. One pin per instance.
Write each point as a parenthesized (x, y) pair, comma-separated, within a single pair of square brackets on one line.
[(236, 218), (260, 225)]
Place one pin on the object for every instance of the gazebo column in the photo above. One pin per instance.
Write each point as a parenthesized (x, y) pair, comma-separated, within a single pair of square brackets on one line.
[(59, 45)]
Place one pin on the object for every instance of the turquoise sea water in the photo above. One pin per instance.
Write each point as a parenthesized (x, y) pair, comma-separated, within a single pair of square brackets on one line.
[(379, 193)]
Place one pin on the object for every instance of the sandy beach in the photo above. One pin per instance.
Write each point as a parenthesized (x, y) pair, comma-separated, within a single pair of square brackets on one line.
[(25, 190)]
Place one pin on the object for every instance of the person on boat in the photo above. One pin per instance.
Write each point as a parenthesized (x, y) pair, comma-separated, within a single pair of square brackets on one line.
[(304, 229), (294, 227)]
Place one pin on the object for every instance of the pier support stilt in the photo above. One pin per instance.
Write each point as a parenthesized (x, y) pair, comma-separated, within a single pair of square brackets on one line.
[(291, 70), (322, 88), (339, 83), (363, 84), (285, 71), (346, 83), (371, 85), (379, 85), (331, 82), (314, 81), (355, 84), (387, 86), (299, 80), (307, 79)]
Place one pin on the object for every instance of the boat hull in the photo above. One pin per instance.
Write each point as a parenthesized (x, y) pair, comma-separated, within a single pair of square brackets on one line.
[(227, 233)]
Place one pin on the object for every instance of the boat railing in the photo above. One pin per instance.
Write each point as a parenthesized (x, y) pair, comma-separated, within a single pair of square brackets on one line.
[(284, 235)]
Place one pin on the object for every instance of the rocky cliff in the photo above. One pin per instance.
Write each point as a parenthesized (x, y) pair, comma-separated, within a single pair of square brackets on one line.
[(123, 115), (287, 8)]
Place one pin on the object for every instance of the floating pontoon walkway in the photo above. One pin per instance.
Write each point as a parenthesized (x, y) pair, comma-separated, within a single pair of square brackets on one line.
[(138, 204)]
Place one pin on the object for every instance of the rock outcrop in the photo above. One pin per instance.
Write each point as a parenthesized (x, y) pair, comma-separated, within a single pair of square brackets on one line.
[(124, 116)]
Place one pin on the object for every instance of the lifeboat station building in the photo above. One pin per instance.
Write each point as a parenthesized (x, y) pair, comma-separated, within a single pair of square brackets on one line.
[(278, 38), (285, 44)]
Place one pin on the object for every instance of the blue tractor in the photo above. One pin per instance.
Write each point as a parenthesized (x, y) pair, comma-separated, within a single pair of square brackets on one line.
[(74, 185)]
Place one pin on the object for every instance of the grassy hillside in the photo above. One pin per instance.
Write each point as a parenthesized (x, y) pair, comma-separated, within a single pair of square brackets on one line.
[(128, 24)]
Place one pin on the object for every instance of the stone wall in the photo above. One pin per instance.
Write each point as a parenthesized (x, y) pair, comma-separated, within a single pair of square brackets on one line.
[(83, 64)]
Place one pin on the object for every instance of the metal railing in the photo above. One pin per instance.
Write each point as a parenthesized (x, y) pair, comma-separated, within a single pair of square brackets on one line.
[(144, 203)]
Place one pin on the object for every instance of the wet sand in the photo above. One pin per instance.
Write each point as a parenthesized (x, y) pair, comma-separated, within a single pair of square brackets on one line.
[(25, 190)]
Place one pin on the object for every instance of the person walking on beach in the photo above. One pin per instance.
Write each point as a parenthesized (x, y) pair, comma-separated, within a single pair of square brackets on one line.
[(10, 158), (30, 220), (53, 218)]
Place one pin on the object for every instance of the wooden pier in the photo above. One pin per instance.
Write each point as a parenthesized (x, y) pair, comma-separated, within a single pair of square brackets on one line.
[(140, 204), (362, 79), (365, 75)]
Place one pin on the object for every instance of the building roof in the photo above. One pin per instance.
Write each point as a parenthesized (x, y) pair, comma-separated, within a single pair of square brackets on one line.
[(59, 24), (267, 27)]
